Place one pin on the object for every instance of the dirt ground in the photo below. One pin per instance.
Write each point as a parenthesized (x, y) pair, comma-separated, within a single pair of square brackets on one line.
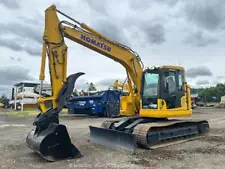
[(207, 152)]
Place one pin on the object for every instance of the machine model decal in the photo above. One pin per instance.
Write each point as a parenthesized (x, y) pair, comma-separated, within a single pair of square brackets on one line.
[(96, 43)]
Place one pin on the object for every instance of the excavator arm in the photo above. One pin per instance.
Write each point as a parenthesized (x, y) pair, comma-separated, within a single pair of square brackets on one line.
[(55, 49)]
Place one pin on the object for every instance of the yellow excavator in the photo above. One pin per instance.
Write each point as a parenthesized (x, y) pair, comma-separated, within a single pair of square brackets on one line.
[(125, 99), (117, 84), (155, 95)]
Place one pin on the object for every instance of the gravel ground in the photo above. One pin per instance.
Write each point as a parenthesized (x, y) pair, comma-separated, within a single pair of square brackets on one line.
[(207, 152)]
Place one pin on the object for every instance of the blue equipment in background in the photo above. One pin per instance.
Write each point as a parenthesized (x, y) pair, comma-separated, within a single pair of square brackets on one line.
[(103, 104)]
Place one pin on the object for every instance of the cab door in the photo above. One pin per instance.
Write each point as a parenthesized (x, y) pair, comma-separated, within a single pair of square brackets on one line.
[(172, 87), (180, 87)]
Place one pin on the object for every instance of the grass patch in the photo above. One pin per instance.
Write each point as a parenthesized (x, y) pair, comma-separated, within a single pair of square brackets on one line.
[(31, 113), (22, 113)]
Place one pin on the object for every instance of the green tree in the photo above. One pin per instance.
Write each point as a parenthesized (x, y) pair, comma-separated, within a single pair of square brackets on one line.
[(75, 92), (91, 87), (3, 98), (212, 94), (194, 91)]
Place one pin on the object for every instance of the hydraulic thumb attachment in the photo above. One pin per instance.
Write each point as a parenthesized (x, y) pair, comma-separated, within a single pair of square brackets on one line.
[(51, 139)]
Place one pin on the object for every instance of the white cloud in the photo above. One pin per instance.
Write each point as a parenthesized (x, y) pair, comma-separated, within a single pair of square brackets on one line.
[(154, 29)]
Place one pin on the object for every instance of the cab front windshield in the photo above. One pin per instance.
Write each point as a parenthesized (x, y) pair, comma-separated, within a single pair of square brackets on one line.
[(150, 89)]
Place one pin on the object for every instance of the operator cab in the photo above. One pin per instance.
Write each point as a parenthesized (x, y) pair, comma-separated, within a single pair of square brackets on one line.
[(167, 83)]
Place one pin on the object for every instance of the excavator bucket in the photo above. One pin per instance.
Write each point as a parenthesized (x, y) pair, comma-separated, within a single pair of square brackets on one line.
[(53, 144), (50, 139), (113, 139)]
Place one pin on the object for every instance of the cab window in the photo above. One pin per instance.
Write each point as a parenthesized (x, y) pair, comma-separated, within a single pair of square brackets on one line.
[(151, 85), (170, 82), (180, 80)]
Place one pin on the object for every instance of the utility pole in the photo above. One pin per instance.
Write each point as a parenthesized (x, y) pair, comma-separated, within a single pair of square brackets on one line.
[(88, 88)]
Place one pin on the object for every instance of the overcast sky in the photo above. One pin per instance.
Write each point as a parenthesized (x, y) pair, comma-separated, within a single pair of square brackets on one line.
[(185, 32)]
